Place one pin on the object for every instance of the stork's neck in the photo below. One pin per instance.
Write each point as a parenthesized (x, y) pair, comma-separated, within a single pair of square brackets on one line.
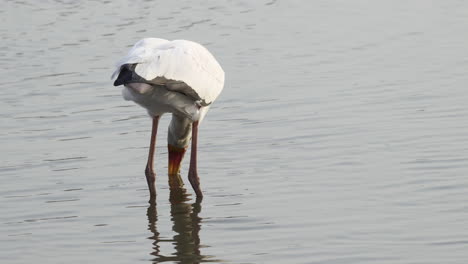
[(179, 132)]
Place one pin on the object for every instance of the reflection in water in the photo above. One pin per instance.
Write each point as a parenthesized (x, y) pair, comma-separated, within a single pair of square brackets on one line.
[(186, 224)]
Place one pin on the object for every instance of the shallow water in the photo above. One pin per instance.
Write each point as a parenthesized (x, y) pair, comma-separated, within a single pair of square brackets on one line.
[(341, 135)]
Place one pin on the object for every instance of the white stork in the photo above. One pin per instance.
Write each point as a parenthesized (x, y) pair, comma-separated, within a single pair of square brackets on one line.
[(179, 77)]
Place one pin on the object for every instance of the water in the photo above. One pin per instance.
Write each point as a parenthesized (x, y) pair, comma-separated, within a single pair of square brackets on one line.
[(341, 135)]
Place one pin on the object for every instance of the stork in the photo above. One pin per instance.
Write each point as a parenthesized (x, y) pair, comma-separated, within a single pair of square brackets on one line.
[(180, 77)]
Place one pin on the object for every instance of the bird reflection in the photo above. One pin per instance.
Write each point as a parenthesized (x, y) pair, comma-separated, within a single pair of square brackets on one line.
[(186, 225)]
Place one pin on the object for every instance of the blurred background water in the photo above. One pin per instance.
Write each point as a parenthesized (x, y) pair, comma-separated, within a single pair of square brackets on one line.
[(341, 135)]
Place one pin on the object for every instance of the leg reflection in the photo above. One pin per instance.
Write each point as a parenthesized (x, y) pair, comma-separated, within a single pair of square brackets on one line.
[(185, 224), (152, 219)]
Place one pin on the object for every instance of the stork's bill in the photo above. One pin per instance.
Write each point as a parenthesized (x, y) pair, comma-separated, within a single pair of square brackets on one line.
[(175, 159)]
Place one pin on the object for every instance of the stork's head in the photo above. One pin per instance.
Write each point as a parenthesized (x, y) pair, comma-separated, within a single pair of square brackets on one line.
[(178, 139)]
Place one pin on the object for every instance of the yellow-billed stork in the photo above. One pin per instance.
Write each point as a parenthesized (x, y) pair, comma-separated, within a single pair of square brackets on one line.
[(179, 77)]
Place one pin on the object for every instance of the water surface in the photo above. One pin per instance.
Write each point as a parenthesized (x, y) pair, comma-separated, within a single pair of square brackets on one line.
[(341, 135)]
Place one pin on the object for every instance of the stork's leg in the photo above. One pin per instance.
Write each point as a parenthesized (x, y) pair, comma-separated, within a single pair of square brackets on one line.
[(149, 172), (193, 175)]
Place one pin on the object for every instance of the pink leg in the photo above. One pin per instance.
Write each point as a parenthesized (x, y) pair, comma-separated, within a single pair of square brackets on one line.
[(149, 172), (193, 175)]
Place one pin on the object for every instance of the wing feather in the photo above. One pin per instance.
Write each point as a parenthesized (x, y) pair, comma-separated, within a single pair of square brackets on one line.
[(181, 65)]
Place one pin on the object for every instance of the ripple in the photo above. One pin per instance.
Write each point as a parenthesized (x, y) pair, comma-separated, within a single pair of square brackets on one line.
[(66, 159), (21, 234), (194, 24), (449, 243), (66, 169), (72, 190), (62, 201), (41, 117), (50, 76), (118, 241), (228, 204), (49, 219), (71, 139)]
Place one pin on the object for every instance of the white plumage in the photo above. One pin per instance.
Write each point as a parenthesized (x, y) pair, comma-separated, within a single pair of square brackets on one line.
[(175, 62)]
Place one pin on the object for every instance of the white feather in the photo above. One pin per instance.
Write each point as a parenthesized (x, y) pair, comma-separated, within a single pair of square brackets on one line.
[(182, 65)]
